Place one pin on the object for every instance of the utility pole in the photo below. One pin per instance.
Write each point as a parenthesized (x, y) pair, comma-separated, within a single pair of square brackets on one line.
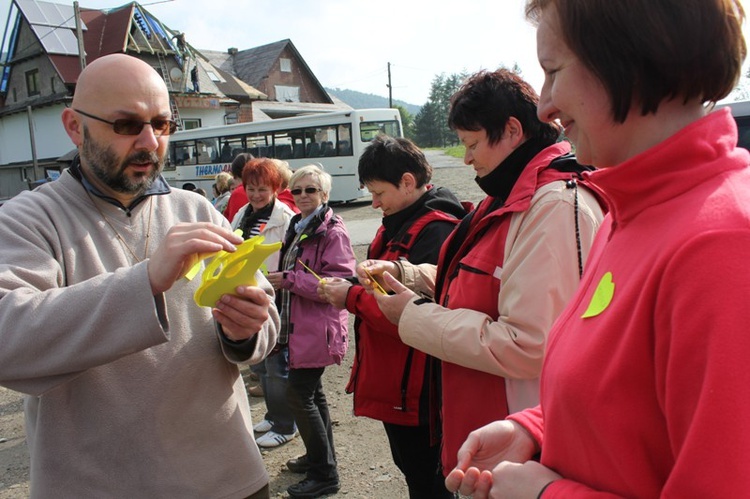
[(390, 88), (34, 161), (79, 35)]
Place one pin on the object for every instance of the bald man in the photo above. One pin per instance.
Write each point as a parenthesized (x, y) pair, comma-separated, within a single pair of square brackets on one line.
[(132, 390)]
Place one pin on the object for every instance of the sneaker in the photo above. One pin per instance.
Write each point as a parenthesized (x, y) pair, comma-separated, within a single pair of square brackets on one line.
[(263, 426), (298, 464), (273, 439), (310, 488)]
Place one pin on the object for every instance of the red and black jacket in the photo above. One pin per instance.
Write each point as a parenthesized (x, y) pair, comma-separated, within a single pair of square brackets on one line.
[(388, 378)]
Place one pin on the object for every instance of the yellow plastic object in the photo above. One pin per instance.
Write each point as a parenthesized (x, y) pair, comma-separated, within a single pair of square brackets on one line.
[(375, 284), (228, 270), (310, 270)]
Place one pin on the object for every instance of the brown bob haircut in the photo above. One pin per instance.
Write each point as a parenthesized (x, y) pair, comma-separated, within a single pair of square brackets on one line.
[(262, 171), (649, 51), (487, 100)]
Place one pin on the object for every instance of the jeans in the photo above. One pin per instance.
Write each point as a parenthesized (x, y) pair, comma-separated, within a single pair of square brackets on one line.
[(308, 403), (274, 374)]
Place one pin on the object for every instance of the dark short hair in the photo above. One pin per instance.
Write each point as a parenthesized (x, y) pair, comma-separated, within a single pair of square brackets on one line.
[(487, 100), (239, 162), (648, 51), (261, 171), (386, 159)]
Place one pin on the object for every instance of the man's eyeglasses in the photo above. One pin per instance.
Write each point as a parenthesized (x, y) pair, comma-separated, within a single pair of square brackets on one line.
[(125, 126), (308, 190)]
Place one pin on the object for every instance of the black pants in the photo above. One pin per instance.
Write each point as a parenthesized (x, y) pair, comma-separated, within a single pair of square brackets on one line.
[(308, 404), (417, 460)]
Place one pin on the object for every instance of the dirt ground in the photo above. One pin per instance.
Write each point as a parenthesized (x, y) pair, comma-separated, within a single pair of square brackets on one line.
[(365, 465)]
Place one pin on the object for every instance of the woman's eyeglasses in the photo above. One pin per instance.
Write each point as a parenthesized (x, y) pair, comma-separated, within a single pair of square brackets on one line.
[(308, 190), (125, 126)]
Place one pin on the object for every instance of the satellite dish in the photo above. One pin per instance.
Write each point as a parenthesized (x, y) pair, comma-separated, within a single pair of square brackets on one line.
[(175, 74)]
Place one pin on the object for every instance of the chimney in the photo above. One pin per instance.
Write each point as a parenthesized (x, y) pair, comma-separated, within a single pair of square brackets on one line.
[(232, 51)]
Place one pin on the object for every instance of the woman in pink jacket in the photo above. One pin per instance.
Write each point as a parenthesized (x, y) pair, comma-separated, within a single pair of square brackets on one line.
[(316, 245), (643, 390)]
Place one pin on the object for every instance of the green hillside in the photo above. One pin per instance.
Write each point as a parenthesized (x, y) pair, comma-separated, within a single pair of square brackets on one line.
[(360, 100)]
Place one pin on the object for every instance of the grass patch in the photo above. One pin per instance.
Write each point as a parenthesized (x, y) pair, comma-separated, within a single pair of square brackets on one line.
[(456, 151)]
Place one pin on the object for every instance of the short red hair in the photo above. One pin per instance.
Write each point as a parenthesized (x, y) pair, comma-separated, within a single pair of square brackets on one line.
[(261, 171)]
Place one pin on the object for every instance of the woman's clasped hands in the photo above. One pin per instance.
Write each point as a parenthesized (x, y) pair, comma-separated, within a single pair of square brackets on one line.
[(495, 462)]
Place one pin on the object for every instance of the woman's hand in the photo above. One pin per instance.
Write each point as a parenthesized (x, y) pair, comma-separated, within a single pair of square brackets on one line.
[(276, 279), (483, 450), (370, 270), (393, 305), (334, 290)]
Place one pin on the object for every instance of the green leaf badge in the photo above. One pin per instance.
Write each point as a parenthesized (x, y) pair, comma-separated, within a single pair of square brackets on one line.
[(605, 290)]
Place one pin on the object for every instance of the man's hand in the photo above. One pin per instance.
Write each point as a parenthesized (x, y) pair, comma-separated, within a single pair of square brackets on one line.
[(241, 316), (184, 246), (334, 290)]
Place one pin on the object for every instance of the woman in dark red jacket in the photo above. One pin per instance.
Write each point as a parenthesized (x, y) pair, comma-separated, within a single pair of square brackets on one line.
[(388, 378)]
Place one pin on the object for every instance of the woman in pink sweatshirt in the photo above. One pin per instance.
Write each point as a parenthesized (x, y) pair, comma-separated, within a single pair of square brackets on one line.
[(644, 387)]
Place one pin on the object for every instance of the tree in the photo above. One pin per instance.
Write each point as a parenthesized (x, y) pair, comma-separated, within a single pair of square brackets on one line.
[(407, 121), (436, 116), (427, 126)]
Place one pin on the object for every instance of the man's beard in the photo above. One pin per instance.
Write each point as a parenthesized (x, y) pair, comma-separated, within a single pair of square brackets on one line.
[(104, 164)]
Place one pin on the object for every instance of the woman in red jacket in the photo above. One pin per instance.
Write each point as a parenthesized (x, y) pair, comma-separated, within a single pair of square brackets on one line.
[(388, 377), (507, 270), (643, 389)]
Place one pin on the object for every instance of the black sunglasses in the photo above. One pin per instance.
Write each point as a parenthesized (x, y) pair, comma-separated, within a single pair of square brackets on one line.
[(125, 126), (308, 190)]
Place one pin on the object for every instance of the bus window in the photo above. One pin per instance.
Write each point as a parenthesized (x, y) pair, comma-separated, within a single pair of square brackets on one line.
[(208, 151), (258, 145), (282, 145), (178, 153), (312, 147), (368, 130), (344, 143), (231, 147), (184, 153)]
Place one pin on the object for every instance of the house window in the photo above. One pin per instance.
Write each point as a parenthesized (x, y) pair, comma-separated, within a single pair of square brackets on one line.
[(286, 65), (190, 123), (287, 94), (32, 82), (213, 76), (231, 118)]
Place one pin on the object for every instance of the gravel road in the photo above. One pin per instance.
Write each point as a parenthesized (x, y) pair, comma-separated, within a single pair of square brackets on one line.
[(366, 467)]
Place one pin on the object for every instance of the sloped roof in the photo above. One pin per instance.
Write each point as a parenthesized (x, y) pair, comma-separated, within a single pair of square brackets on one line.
[(251, 65), (236, 88), (220, 60), (106, 34)]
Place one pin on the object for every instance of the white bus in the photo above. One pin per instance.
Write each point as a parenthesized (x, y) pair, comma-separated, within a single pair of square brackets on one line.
[(741, 113), (333, 140)]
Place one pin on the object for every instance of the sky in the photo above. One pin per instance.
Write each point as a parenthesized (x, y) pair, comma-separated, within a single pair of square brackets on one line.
[(348, 43)]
